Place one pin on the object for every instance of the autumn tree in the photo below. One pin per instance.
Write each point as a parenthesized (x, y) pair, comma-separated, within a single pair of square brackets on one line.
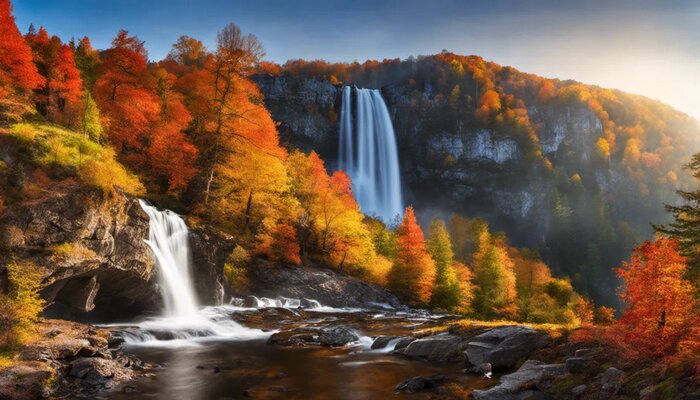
[(144, 115), (659, 305), (87, 60), (446, 294), (494, 280), (413, 274), (59, 97), (18, 74)]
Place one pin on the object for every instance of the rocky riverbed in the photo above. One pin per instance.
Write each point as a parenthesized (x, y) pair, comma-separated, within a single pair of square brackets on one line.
[(298, 349)]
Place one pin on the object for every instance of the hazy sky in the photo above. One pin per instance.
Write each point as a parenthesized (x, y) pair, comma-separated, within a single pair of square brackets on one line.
[(641, 46)]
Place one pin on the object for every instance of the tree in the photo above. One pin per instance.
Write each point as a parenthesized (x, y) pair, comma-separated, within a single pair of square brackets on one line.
[(494, 281), (90, 124), (413, 274), (18, 74), (58, 99), (446, 294), (659, 303), (87, 60), (686, 226)]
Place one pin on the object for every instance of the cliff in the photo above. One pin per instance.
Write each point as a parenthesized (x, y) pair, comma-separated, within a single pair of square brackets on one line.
[(534, 167)]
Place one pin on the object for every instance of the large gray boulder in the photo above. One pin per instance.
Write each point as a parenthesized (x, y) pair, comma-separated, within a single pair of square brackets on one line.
[(439, 348), (504, 347)]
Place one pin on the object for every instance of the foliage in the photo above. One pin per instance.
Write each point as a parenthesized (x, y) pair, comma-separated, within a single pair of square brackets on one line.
[(659, 305), (18, 74), (66, 251), (413, 274), (451, 292), (55, 147), (22, 305)]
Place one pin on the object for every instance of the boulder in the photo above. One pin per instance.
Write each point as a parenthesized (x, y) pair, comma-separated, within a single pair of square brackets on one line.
[(439, 348), (531, 376), (576, 365), (504, 347), (420, 383), (579, 390), (611, 380), (337, 336), (98, 372)]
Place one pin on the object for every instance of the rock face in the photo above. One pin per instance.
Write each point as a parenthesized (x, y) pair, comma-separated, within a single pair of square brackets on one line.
[(504, 347), (326, 286), (98, 265)]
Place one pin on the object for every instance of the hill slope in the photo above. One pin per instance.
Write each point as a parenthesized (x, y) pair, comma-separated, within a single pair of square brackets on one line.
[(577, 171)]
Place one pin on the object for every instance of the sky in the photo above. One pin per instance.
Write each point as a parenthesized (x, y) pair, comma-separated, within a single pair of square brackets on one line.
[(649, 47)]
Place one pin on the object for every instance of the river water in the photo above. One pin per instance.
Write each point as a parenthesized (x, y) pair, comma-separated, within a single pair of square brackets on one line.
[(248, 367)]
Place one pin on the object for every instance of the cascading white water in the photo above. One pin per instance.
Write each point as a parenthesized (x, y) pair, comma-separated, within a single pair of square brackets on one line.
[(369, 155), (183, 322), (168, 238)]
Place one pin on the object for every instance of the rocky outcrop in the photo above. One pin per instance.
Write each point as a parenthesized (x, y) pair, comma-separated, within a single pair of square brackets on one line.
[(328, 287), (531, 376), (97, 263), (504, 347), (440, 348), (68, 360)]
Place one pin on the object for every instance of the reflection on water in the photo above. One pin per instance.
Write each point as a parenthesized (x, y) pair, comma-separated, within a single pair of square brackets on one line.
[(254, 369)]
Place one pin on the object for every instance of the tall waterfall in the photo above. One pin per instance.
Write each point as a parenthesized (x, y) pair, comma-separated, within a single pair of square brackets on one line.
[(168, 238), (368, 153)]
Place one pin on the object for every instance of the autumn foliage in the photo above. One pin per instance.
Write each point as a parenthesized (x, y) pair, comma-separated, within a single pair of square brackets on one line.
[(18, 74), (660, 311), (413, 275)]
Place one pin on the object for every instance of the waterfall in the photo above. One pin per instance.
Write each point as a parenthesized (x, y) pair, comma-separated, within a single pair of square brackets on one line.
[(183, 322), (369, 155), (168, 238)]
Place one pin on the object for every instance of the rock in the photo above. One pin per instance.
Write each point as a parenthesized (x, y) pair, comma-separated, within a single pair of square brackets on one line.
[(583, 353), (648, 393), (577, 365), (504, 347), (98, 372), (421, 382), (404, 342), (295, 338), (326, 286), (531, 375), (611, 380), (337, 336), (435, 348), (381, 342), (579, 390), (53, 350), (108, 270)]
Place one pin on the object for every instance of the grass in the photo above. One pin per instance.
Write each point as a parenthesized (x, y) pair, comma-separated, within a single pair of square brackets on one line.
[(7, 358), (56, 148), (555, 330)]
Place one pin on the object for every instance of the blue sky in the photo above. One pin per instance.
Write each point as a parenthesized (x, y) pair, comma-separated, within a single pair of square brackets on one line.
[(642, 46)]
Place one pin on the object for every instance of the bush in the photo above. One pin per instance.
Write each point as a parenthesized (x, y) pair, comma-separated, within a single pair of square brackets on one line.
[(22, 305), (235, 271), (55, 147), (65, 251)]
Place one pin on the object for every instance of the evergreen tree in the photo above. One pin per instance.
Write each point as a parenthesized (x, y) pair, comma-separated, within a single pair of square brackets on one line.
[(90, 124), (447, 292), (686, 226)]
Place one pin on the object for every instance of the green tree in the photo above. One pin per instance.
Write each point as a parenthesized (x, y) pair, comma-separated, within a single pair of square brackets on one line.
[(446, 294), (90, 124)]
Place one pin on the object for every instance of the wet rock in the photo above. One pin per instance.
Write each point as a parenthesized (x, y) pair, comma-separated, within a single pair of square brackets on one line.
[(295, 338), (611, 380), (404, 342), (531, 376), (421, 382), (576, 365), (337, 336), (435, 348), (98, 372), (579, 390), (383, 341), (504, 347)]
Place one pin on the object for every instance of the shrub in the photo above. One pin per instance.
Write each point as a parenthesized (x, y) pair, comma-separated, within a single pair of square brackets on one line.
[(65, 251), (22, 305)]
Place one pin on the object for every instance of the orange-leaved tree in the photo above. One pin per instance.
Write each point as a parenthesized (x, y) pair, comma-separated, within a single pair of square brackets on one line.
[(659, 306), (413, 274), (18, 74)]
